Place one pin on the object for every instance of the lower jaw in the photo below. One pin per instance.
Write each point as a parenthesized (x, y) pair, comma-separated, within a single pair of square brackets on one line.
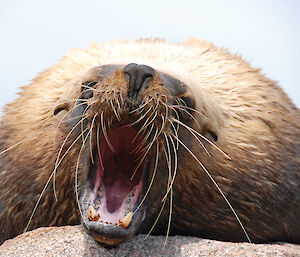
[(113, 235), (108, 240), (110, 234)]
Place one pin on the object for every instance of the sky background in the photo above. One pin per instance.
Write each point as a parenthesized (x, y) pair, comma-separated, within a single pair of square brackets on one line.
[(36, 33)]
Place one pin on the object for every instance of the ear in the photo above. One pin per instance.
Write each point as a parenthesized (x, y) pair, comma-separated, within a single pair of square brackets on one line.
[(61, 107)]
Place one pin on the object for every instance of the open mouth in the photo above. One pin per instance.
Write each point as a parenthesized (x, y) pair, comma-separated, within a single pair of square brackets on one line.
[(110, 201)]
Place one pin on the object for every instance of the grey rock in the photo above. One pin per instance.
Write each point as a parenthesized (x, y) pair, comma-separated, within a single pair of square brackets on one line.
[(73, 241)]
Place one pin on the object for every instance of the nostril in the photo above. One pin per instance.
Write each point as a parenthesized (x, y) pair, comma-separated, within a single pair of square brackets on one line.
[(139, 78)]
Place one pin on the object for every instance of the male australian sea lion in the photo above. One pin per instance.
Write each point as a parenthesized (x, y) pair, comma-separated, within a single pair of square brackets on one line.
[(131, 137)]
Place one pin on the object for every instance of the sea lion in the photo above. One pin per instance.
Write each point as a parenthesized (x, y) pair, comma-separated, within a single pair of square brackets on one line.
[(145, 136)]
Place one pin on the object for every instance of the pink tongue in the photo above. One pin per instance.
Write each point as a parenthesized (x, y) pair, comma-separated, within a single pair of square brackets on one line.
[(115, 194), (119, 166)]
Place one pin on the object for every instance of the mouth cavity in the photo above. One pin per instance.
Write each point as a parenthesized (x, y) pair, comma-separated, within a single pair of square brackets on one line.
[(116, 187)]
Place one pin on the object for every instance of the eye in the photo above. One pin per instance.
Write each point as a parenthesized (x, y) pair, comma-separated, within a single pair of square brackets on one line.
[(87, 89)]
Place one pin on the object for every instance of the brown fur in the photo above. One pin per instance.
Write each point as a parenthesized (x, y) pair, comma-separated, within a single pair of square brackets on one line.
[(256, 123)]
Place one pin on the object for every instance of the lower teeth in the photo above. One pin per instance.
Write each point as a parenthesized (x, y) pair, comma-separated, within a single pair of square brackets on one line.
[(94, 215), (124, 223)]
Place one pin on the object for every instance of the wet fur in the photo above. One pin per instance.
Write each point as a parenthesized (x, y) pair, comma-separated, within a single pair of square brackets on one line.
[(255, 122)]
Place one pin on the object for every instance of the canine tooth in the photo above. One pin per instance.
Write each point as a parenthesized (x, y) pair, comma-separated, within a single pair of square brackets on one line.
[(93, 215), (124, 223)]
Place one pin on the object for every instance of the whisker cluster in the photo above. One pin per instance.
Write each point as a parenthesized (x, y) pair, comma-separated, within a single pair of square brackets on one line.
[(158, 122)]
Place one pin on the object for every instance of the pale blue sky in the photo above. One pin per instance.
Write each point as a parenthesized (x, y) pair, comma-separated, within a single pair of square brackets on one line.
[(36, 33)]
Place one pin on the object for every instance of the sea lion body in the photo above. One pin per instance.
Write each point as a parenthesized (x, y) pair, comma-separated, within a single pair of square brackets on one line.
[(220, 142)]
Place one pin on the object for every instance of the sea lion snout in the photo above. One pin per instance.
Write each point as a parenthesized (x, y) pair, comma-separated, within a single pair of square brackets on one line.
[(139, 78)]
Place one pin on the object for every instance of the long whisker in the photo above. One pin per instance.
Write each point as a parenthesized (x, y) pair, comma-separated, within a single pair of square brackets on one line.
[(169, 162), (138, 148), (44, 189), (92, 126), (115, 111), (183, 109), (57, 162), (121, 98), (175, 168), (26, 138), (76, 174), (30, 137), (141, 107), (105, 134), (196, 132), (175, 131), (170, 217), (196, 111), (14, 109), (144, 156), (157, 218), (216, 185), (166, 114), (141, 118), (168, 157), (63, 118), (83, 114), (148, 123), (199, 141), (117, 100), (98, 147), (152, 179)]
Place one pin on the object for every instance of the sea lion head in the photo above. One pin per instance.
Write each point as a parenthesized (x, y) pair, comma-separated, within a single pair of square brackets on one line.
[(123, 119)]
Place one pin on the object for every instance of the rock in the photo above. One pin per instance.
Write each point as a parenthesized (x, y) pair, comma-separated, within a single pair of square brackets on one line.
[(73, 241)]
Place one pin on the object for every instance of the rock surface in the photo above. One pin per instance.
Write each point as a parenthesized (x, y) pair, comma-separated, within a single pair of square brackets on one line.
[(73, 241)]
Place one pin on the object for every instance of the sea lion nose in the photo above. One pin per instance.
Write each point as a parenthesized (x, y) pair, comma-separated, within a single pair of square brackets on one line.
[(139, 78)]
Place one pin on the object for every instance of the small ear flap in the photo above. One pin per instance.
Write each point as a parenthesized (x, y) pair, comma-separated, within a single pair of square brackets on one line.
[(214, 135), (208, 130), (61, 107)]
